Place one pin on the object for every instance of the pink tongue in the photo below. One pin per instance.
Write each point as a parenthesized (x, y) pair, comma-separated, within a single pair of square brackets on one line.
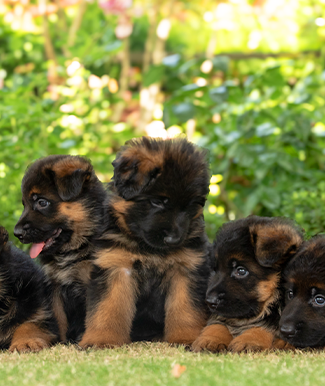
[(36, 249)]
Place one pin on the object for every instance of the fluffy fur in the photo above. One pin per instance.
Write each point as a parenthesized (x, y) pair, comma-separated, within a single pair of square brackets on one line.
[(27, 322), (151, 265), (244, 291), (63, 210)]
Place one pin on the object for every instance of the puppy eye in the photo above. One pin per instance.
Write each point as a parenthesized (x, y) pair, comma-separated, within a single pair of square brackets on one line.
[(42, 203), (240, 272), (290, 294), (319, 300), (159, 203)]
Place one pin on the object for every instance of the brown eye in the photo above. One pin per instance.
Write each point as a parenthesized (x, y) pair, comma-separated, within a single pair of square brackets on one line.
[(290, 294), (159, 203), (319, 300), (240, 272), (42, 203)]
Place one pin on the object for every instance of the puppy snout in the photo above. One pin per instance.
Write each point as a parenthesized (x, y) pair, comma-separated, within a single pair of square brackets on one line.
[(213, 300), (20, 231), (288, 329)]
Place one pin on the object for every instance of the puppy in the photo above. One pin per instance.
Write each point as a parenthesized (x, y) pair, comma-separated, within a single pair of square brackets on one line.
[(151, 264), (302, 322), (63, 209), (244, 291), (27, 322)]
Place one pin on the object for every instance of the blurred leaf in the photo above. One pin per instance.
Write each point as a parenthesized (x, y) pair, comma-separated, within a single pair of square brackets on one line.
[(153, 75)]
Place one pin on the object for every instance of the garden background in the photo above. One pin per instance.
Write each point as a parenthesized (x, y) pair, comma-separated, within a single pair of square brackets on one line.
[(243, 78)]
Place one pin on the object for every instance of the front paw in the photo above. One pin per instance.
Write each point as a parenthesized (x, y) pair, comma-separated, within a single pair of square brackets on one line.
[(280, 344), (100, 340), (28, 345), (214, 338)]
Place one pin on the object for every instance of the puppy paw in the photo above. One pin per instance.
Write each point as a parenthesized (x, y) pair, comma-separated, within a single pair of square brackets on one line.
[(28, 345), (214, 338), (280, 344), (4, 236), (101, 341), (252, 340)]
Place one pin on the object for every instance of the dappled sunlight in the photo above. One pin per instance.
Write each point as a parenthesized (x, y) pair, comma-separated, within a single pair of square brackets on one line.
[(244, 79)]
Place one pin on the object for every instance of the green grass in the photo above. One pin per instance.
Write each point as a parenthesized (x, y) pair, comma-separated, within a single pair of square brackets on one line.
[(151, 364)]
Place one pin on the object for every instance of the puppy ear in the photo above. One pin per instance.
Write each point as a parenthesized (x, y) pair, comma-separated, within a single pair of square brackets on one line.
[(70, 176), (275, 241), (135, 169), (70, 186)]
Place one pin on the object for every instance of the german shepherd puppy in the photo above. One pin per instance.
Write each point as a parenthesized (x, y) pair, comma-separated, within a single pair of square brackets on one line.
[(63, 209), (27, 322), (244, 291), (302, 323), (151, 265)]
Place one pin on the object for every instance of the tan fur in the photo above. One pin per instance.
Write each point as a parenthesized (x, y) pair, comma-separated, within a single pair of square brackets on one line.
[(65, 167), (29, 337), (121, 207), (279, 344), (254, 339), (281, 232), (75, 213), (267, 289), (79, 272), (115, 258), (183, 322), (60, 315), (214, 338), (148, 160), (34, 190), (110, 326)]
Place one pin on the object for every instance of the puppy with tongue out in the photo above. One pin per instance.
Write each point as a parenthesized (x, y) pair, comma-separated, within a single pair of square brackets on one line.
[(63, 210)]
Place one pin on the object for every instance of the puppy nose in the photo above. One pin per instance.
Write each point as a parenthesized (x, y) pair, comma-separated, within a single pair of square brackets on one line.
[(288, 329), (20, 231), (172, 240), (214, 299)]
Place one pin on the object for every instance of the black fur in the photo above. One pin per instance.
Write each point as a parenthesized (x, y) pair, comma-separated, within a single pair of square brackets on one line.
[(25, 297), (302, 322), (155, 214), (63, 208)]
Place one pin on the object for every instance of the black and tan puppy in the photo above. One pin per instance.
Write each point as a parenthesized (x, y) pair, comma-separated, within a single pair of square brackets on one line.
[(244, 291), (151, 264), (27, 322), (63, 209), (302, 323)]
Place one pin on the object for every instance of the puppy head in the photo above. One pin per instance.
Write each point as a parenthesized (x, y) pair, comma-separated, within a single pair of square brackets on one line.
[(303, 319), (249, 254), (59, 193), (159, 190)]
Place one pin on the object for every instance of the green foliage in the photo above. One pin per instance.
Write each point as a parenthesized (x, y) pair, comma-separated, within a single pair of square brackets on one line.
[(262, 120)]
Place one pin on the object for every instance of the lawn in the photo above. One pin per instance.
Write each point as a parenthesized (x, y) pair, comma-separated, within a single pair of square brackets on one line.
[(152, 364)]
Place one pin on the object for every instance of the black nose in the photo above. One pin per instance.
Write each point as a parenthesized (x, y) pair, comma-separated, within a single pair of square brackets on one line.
[(20, 231), (172, 240), (213, 300), (288, 329)]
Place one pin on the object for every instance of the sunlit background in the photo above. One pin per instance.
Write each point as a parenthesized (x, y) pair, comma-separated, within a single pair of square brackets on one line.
[(243, 78)]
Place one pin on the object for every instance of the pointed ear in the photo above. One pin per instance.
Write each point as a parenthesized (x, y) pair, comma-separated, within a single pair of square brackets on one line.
[(135, 169), (275, 241)]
